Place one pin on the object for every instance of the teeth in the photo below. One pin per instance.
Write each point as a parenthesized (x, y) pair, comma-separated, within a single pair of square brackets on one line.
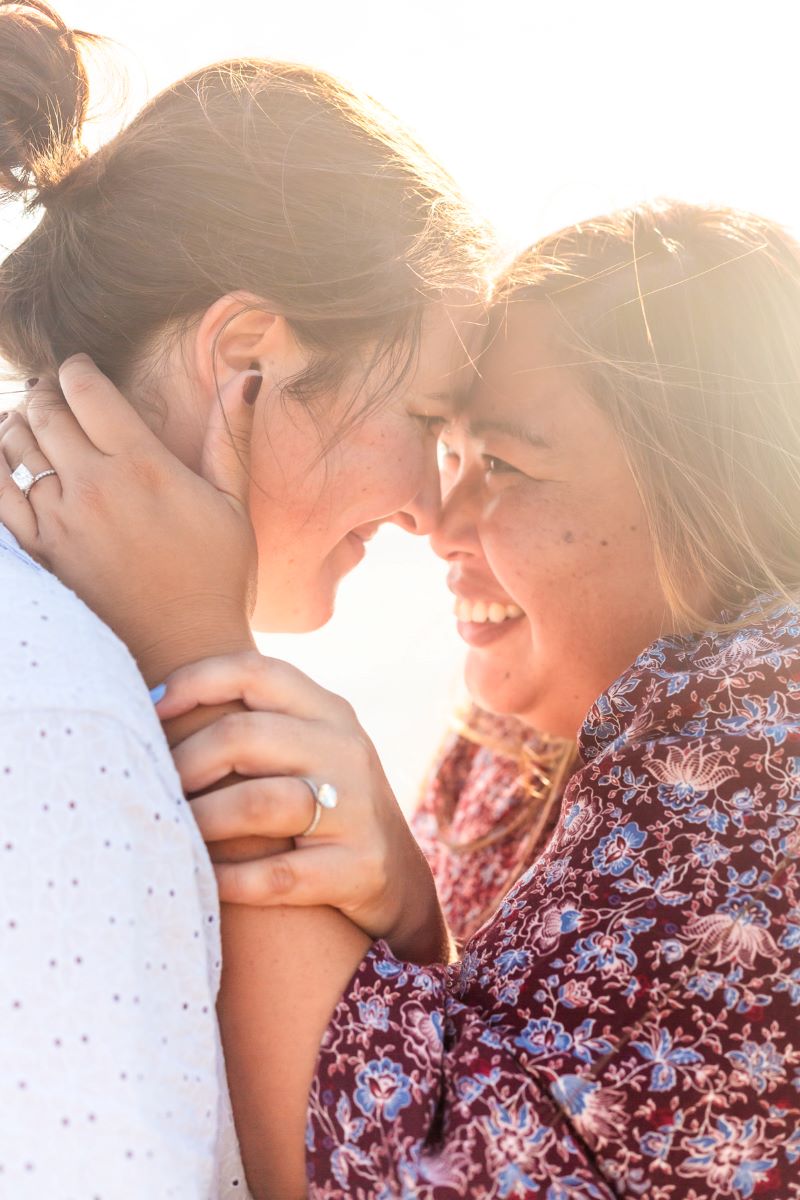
[(480, 612)]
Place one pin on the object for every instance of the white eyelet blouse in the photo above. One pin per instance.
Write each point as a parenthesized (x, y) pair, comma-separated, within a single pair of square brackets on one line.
[(111, 1078)]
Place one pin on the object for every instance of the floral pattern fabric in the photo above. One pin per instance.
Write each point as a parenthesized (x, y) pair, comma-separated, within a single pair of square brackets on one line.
[(477, 790), (627, 1023)]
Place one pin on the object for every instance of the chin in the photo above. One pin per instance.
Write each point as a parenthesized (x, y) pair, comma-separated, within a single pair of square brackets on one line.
[(303, 616), (494, 688), (509, 693)]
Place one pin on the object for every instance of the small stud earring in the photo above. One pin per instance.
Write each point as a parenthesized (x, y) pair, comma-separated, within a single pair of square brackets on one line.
[(252, 385)]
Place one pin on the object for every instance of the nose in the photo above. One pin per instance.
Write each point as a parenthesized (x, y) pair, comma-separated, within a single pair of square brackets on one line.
[(421, 514), (455, 535)]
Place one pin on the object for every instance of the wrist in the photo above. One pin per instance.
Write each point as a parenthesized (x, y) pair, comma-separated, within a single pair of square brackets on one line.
[(420, 933)]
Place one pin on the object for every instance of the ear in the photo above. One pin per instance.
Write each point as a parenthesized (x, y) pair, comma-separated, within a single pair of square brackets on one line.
[(238, 331)]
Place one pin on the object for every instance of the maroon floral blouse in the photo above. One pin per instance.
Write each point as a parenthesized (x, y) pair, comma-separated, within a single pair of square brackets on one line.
[(627, 1023), (476, 816)]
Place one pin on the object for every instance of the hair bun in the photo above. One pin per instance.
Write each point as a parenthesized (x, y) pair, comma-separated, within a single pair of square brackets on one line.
[(44, 94)]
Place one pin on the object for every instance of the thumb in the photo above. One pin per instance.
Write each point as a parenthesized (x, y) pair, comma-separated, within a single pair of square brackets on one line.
[(225, 456)]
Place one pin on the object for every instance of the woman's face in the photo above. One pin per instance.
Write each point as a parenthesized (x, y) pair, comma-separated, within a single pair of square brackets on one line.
[(542, 520), (314, 508)]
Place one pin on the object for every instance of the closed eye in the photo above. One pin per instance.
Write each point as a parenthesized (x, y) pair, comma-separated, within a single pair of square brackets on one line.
[(493, 465)]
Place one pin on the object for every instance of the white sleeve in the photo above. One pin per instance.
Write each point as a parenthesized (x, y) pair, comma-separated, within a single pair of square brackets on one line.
[(108, 1071)]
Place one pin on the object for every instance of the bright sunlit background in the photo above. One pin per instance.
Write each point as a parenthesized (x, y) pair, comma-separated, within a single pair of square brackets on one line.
[(546, 111)]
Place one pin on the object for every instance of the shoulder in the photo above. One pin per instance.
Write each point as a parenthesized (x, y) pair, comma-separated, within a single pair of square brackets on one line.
[(57, 655), (697, 746), (75, 713), (745, 683)]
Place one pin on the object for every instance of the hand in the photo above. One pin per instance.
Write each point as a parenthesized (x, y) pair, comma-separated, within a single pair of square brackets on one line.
[(361, 859), (164, 557)]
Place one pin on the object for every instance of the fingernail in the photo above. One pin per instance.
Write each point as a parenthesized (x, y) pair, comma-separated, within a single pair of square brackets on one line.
[(30, 383), (251, 388), (158, 692)]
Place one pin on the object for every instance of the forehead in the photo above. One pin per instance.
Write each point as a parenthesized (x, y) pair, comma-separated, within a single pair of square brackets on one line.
[(453, 335), (523, 373)]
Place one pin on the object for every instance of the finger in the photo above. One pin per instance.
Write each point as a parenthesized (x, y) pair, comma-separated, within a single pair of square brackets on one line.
[(258, 681), (15, 511), (279, 807), (103, 413), (225, 457), (317, 874), (21, 448), (57, 430), (251, 743)]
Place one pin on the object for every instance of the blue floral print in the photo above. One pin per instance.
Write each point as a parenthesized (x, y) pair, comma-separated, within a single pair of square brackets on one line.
[(615, 854), (627, 1025)]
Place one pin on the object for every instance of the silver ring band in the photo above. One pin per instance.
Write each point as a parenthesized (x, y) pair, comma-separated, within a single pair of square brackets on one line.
[(325, 796), (25, 479)]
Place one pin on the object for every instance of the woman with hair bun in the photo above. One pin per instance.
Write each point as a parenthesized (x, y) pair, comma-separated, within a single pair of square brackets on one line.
[(287, 286)]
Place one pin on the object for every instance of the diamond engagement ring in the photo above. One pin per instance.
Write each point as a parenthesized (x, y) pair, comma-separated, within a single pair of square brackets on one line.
[(25, 479), (325, 796)]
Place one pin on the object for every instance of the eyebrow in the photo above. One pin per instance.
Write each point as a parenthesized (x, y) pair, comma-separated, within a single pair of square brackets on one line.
[(512, 430), (455, 400)]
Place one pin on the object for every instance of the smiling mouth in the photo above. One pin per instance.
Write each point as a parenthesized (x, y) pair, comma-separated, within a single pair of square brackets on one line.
[(483, 622), (482, 612)]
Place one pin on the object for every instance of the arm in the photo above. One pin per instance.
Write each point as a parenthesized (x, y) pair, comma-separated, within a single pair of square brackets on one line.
[(626, 1019), (109, 1083)]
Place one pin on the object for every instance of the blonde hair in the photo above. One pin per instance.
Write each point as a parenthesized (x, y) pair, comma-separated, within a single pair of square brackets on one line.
[(543, 769), (685, 323)]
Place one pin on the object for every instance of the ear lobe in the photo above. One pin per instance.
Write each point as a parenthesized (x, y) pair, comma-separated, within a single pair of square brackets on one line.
[(238, 330)]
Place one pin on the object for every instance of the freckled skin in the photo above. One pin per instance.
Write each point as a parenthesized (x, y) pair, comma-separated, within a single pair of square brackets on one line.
[(383, 468), (591, 600)]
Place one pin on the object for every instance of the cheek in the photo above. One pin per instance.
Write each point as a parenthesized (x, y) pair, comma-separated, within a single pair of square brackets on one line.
[(543, 544), (531, 544), (386, 471)]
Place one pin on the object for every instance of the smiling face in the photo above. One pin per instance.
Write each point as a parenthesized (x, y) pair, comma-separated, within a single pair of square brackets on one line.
[(542, 520), (314, 508)]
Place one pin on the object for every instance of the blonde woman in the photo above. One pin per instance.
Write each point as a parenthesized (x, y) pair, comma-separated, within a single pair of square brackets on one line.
[(625, 484)]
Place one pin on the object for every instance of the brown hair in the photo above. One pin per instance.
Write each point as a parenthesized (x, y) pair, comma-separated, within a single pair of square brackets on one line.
[(685, 321), (263, 177)]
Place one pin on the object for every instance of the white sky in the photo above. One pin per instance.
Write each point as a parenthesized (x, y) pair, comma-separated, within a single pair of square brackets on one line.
[(546, 112)]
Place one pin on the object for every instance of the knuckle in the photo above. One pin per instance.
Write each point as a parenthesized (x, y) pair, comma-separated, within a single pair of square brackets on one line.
[(254, 665), (90, 495), (147, 472), (359, 752), (280, 875), (344, 710), (82, 382), (40, 409)]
